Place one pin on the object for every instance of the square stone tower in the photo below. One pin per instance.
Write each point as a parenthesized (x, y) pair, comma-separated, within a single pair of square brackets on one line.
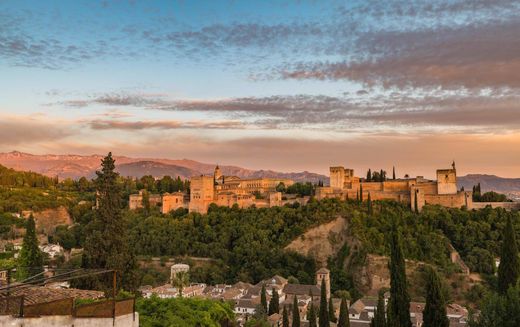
[(323, 274), (447, 181), (202, 193)]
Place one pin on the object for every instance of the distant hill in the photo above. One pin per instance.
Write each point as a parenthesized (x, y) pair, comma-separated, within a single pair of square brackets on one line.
[(156, 169), (490, 183), (76, 166)]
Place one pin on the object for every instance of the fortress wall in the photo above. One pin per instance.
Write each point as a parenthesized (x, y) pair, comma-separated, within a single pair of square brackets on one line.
[(428, 188), (446, 200), (372, 186), (396, 185), (171, 202)]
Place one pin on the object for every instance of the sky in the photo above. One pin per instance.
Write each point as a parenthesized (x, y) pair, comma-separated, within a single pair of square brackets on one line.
[(282, 85)]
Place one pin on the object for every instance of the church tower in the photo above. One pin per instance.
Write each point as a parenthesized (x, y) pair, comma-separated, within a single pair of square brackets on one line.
[(323, 273), (217, 174)]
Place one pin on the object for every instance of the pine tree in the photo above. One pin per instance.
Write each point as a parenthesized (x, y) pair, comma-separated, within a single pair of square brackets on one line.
[(30, 260), (508, 270), (379, 316), (332, 312), (434, 314), (263, 298), (343, 314), (312, 316), (393, 172), (399, 305), (295, 313), (274, 303), (369, 205), (324, 315), (106, 244), (285, 317)]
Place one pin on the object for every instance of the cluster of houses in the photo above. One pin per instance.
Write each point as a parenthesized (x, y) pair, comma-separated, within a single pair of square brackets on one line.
[(247, 299)]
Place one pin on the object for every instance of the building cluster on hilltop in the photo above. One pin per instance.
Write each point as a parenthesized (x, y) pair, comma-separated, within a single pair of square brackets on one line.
[(263, 192)]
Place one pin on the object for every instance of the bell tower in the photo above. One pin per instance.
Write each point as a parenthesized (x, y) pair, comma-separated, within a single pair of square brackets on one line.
[(323, 274)]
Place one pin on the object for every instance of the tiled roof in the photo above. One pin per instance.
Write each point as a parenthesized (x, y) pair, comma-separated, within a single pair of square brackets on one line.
[(39, 294), (298, 289)]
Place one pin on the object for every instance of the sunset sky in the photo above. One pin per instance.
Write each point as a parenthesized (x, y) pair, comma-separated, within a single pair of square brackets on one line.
[(282, 85)]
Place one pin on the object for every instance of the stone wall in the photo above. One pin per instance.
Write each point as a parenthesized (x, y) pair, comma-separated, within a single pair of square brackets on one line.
[(505, 205)]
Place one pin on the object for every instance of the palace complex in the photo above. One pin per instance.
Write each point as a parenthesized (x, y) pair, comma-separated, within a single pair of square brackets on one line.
[(416, 191), (262, 192)]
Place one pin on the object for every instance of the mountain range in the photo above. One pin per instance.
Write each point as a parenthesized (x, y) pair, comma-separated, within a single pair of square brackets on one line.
[(76, 166)]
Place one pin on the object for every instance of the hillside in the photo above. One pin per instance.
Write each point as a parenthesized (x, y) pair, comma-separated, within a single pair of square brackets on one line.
[(76, 166)]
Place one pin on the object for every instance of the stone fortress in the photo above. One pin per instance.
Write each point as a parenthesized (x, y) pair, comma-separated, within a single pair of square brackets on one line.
[(230, 190), (220, 190), (261, 192), (416, 191)]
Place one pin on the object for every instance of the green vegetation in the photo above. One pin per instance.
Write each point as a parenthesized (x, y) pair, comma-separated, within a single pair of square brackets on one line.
[(343, 320), (183, 312), (434, 314), (488, 196), (379, 319), (106, 245), (274, 304), (399, 303), (30, 261), (323, 316), (13, 178), (295, 313), (509, 268)]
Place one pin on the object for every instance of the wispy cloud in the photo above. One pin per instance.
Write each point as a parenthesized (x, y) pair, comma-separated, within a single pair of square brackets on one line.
[(170, 124)]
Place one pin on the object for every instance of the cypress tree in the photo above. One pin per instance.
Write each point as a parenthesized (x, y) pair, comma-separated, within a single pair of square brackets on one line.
[(274, 303), (263, 298), (508, 270), (295, 313), (312, 316), (357, 196), (324, 315), (382, 176), (434, 314), (416, 202), (399, 304), (106, 243), (332, 316), (369, 175), (369, 204), (393, 172), (361, 192), (285, 317), (30, 260), (343, 314), (379, 316)]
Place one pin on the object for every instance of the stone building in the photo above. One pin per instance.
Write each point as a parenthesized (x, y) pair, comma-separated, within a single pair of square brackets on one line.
[(232, 190), (413, 191), (166, 202)]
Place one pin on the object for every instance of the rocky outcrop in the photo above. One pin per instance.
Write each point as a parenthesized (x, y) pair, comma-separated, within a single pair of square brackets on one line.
[(322, 241), (47, 220)]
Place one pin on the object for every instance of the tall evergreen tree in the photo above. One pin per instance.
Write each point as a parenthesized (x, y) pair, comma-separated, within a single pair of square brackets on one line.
[(379, 316), (361, 192), (393, 172), (416, 202), (399, 305), (285, 317), (263, 298), (324, 314), (274, 304), (434, 314), (295, 313), (30, 259), (343, 314), (106, 244), (312, 316), (508, 269), (332, 312), (369, 204), (369, 175)]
